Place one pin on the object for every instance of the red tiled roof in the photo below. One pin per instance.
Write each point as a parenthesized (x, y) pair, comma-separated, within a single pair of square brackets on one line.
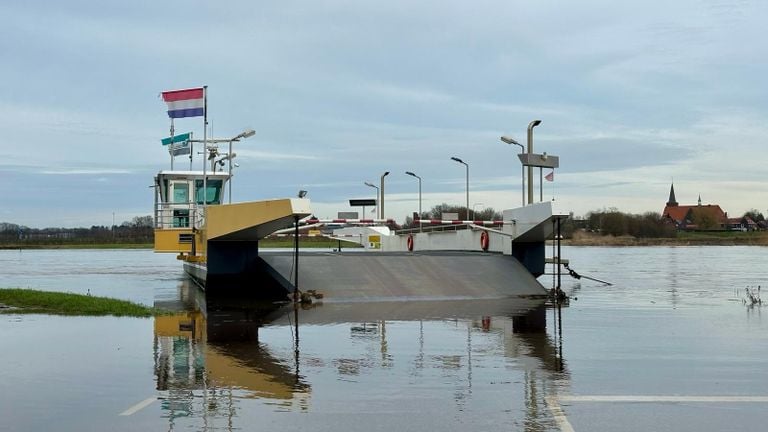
[(678, 213)]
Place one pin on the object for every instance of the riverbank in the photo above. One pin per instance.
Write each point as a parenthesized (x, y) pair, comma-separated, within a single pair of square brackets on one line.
[(28, 301), (718, 238)]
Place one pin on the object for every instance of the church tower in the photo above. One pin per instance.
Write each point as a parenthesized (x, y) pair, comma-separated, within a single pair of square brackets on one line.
[(672, 202)]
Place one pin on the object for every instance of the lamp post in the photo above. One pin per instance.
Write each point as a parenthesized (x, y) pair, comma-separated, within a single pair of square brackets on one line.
[(381, 206), (467, 166), (414, 175), (244, 134), (377, 197), (512, 141), (531, 125)]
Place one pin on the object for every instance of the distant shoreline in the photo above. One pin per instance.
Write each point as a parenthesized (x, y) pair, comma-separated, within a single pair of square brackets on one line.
[(77, 246), (269, 243), (579, 239), (727, 238)]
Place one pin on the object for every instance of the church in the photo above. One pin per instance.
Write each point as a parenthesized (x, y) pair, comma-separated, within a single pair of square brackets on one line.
[(698, 217)]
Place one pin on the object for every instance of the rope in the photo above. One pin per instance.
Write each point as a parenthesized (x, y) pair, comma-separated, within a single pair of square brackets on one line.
[(578, 276)]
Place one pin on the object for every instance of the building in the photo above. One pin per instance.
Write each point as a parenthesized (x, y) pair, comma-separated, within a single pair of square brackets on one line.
[(698, 217)]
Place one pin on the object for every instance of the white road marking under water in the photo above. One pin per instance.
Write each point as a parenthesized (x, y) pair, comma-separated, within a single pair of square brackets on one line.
[(558, 414), (553, 402), (139, 406), (659, 398)]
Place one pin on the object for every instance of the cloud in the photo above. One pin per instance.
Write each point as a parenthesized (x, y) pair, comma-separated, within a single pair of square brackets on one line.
[(630, 94), (86, 171)]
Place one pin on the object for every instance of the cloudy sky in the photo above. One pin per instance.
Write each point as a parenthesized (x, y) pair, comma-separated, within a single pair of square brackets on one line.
[(631, 95)]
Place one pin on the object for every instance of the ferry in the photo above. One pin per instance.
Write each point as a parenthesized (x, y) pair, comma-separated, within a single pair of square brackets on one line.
[(218, 244)]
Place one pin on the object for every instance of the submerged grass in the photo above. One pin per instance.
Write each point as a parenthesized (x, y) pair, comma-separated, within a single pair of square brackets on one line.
[(56, 303)]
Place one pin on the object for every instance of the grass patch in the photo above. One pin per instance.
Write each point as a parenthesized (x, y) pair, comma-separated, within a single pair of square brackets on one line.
[(57, 303)]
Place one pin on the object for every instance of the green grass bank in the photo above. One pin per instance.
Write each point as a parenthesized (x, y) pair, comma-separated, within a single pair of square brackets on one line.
[(30, 301)]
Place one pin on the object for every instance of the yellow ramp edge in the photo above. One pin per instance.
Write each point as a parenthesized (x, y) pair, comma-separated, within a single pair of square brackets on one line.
[(255, 219)]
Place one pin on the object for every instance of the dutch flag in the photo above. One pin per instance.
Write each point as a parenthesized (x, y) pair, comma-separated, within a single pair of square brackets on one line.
[(185, 103)]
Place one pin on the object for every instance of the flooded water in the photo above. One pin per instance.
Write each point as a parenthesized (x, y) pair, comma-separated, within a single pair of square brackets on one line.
[(669, 346)]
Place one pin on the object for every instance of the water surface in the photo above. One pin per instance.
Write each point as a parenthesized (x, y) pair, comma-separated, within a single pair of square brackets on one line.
[(673, 323)]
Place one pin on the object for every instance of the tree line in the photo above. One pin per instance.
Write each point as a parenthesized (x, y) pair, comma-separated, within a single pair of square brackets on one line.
[(437, 212), (615, 223), (138, 230)]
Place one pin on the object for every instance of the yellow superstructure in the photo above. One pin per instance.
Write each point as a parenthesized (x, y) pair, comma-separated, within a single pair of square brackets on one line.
[(189, 213)]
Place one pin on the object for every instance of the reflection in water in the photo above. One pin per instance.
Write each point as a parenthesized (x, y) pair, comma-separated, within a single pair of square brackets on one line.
[(208, 364), (214, 359)]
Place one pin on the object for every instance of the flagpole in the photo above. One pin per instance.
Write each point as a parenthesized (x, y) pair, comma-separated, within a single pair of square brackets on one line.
[(551, 178), (191, 150), (170, 146), (205, 145)]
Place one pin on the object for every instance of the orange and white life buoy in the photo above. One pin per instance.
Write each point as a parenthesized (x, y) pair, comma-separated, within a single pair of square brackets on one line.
[(410, 243), (484, 240)]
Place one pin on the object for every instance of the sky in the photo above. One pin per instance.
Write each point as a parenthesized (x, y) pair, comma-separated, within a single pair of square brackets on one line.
[(631, 95)]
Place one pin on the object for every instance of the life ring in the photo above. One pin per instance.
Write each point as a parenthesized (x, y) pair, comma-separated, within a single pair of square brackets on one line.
[(410, 243), (484, 241)]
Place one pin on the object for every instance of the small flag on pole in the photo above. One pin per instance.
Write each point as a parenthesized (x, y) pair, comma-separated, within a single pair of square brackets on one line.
[(177, 138), (550, 176), (185, 103), (178, 149)]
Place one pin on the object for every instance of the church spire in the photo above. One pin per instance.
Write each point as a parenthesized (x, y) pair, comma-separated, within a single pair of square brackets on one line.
[(672, 202), (699, 200)]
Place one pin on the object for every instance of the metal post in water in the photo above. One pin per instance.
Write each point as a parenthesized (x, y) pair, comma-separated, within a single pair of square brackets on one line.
[(555, 260), (559, 239), (296, 262), (559, 338)]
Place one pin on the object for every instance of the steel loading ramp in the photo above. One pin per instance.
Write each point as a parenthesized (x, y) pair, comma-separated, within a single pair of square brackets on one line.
[(365, 276)]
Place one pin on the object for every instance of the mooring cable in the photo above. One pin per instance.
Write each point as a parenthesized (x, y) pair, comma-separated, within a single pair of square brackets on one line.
[(575, 275)]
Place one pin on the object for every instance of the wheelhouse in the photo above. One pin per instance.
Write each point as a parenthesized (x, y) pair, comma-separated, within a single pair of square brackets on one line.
[(181, 197)]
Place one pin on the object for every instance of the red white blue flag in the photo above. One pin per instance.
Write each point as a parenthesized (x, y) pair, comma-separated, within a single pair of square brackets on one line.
[(550, 176), (185, 103)]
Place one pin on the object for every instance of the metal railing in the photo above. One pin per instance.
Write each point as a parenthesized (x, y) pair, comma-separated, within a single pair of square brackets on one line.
[(179, 215), (451, 225)]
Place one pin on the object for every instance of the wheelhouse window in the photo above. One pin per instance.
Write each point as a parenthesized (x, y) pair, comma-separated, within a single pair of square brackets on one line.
[(213, 192), (180, 192)]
